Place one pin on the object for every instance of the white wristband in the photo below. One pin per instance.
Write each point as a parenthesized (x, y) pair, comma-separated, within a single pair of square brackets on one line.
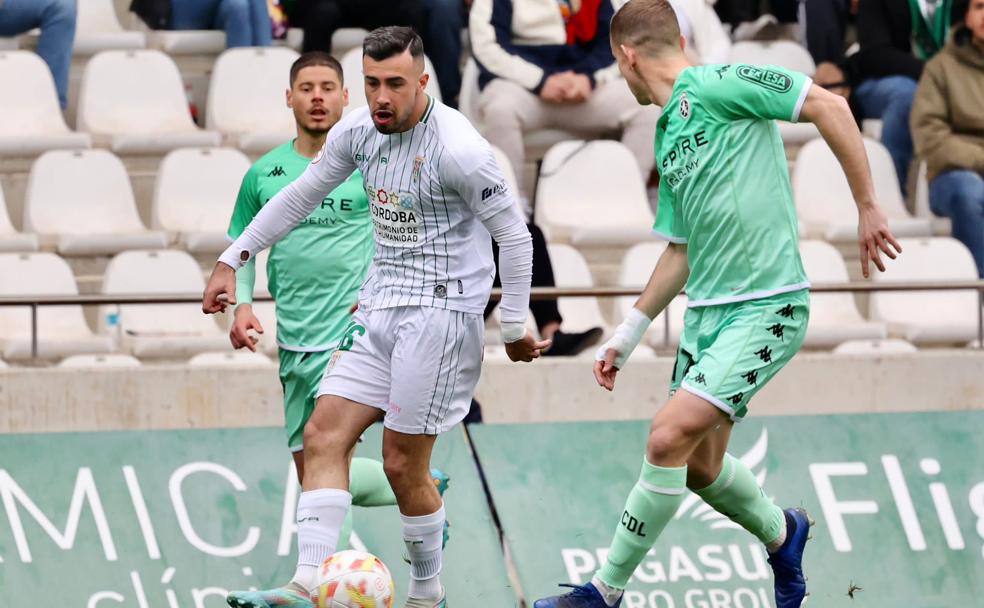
[(234, 256), (512, 332), (627, 336)]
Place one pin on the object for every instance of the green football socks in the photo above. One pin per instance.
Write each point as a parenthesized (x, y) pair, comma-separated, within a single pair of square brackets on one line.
[(368, 484), (737, 494), (651, 504)]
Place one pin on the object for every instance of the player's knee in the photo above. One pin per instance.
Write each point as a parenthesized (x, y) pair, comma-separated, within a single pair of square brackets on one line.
[(323, 439), (666, 443), (701, 474)]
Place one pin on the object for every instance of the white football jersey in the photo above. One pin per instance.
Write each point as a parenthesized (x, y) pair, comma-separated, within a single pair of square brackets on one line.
[(429, 189)]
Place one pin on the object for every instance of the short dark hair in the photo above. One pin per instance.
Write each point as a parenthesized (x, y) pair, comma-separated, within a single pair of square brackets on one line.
[(385, 42), (315, 58), (648, 24)]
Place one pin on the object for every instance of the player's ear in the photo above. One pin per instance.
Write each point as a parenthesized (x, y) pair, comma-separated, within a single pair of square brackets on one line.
[(683, 43), (344, 96), (630, 54), (423, 80), (290, 99)]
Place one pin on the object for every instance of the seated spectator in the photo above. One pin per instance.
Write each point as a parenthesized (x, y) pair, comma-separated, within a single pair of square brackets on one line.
[(545, 312), (749, 23), (893, 52), (56, 18), (825, 26), (948, 128), (245, 22), (707, 40), (543, 65), (439, 23)]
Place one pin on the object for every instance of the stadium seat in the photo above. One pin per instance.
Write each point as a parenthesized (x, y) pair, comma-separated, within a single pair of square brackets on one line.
[(342, 41), (266, 312), (637, 266), (160, 330), (98, 29), (929, 317), (824, 201), (187, 42), (352, 67), (62, 330), (135, 101), (230, 358), (875, 348), (11, 239), (591, 193), (246, 101), (942, 226), (195, 193), (834, 317), (571, 270), (3, 364), (82, 201), (100, 361), (31, 121)]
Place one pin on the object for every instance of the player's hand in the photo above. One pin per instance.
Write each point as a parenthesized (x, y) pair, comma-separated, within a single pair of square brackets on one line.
[(244, 321), (526, 349), (222, 281), (605, 371), (874, 238)]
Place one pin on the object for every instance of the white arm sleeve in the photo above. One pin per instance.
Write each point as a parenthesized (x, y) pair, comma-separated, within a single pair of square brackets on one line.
[(515, 269), (296, 201)]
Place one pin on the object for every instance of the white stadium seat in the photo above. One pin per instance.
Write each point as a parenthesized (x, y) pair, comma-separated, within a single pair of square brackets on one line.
[(834, 317), (571, 270), (230, 358), (195, 193), (62, 330), (929, 317), (637, 266), (98, 29), (783, 53), (266, 312), (942, 226), (824, 201), (591, 193), (187, 42), (354, 80), (135, 101), (875, 348), (31, 121), (3, 364), (160, 330), (246, 97), (100, 361), (11, 239), (84, 203)]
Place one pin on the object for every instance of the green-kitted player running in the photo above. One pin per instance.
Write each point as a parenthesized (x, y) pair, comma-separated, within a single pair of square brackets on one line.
[(726, 207), (314, 274)]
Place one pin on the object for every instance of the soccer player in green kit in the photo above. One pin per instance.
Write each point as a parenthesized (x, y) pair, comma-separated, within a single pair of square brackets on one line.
[(314, 275), (726, 207)]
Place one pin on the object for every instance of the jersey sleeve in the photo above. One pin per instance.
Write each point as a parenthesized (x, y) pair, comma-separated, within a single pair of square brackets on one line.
[(669, 218), (247, 205), (756, 91), (475, 175)]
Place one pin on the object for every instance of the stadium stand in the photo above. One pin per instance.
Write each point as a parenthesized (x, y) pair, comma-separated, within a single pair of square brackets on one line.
[(591, 194), (834, 317), (100, 361), (83, 203), (99, 29), (134, 101), (31, 121), (876, 348), (571, 270), (245, 103), (928, 318), (635, 270), (824, 201), (238, 358), (10, 238), (352, 67), (159, 330), (194, 195), (62, 330), (342, 41)]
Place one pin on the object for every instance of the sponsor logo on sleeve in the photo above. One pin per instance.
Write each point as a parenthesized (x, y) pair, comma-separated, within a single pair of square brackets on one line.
[(490, 191), (765, 78)]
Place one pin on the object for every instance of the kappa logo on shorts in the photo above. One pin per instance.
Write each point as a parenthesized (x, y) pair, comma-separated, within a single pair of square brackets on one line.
[(767, 79), (736, 398), (699, 379), (786, 311), (751, 377), (765, 354), (777, 330)]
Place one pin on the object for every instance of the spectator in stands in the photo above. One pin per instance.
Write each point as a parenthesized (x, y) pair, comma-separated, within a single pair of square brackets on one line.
[(542, 64), (948, 128), (896, 39), (245, 22), (750, 23), (825, 26), (56, 18), (707, 40), (545, 312), (439, 23)]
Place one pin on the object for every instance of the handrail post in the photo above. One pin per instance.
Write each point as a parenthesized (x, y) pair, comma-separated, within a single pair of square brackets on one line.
[(34, 330)]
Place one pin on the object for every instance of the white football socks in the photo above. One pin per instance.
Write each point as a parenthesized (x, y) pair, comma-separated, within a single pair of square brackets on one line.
[(424, 537), (320, 515)]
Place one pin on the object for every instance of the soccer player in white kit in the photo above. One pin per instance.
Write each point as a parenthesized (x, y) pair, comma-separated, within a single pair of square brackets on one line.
[(412, 354)]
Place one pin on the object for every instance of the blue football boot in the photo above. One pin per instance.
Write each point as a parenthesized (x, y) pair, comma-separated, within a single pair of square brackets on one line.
[(787, 562), (580, 596)]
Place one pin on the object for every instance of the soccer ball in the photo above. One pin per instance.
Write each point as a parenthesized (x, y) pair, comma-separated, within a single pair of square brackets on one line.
[(353, 579)]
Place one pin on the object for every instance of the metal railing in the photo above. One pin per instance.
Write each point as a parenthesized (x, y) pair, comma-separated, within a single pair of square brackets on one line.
[(537, 293)]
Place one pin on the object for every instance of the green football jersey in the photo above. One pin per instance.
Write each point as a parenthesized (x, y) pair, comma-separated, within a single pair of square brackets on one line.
[(724, 187), (315, 272)]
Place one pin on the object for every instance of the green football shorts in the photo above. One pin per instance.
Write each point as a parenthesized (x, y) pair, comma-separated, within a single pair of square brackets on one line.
[(300, 376), (729, 351)]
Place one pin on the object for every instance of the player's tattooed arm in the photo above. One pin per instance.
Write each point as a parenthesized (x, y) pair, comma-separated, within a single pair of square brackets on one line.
[(833, 118)]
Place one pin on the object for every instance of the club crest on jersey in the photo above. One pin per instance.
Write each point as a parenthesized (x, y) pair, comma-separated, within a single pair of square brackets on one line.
[(418, 164), (684, 106)]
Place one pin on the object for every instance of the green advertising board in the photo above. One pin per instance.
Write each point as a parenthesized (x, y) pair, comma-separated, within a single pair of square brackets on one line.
[(172, 519), (898, 499)]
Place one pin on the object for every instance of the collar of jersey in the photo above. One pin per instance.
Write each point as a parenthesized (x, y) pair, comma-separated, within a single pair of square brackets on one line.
[(430, 108)]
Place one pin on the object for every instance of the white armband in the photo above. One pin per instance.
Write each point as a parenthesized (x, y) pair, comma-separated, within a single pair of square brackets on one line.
[(627, 336)]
